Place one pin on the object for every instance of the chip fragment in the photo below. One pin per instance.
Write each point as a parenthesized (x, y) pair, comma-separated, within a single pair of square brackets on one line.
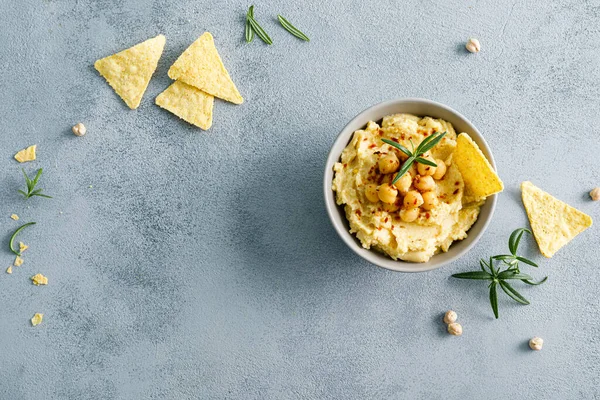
[(22, 247), (27, 154), (129, 71), (478, 174), (37, 319), (18, 261), (39, 279), (15, 217), (554, 223), (188, 103), (200, 66), (9, 270)]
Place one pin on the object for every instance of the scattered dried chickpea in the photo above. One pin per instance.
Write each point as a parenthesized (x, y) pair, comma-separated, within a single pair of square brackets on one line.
[(79, 129), (425, 169), (450, 317), (389, 163), (371, 192), (403, 184), (424, 183), (409, 214), (387, 193), (413, 199), (595, 194), (430, 200), (455, 329), (440, 171), (473, 45), (536, 343)]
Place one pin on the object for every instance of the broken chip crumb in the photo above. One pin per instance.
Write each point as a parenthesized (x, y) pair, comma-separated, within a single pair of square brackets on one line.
[(37, 319), (9, 270), (15, 217), (22, 247), (18, 261), (27, 154), (39, 279)]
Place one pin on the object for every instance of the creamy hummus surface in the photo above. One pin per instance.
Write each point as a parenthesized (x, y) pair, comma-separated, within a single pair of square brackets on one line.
[(400, 227)]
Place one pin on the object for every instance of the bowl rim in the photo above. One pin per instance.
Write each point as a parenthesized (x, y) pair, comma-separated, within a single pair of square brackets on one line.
[(350, 240)]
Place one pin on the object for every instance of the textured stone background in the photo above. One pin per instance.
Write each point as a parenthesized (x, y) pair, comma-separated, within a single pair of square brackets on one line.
[(203, 265)]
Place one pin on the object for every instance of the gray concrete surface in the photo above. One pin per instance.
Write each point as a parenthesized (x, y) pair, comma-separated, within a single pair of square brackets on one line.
[(186, 264)]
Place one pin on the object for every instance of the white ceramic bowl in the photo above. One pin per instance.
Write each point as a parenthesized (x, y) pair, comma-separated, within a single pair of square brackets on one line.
[(420, 107)]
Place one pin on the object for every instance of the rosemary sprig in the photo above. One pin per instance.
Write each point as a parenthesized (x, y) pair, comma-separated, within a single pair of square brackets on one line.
[(499, 277), (31, 190), (249, 31), (415, 155), (292, 29), (254, 26), (14, 235)]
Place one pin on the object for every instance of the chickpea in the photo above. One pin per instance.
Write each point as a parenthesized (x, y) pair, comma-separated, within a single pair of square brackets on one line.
[(595, 194), (536, 343), (79, 129), (413, 199), (387, 193), (450, 317), (409, 214), (440, 171), (424, 183), (371, 192), (395, 206), (403, 184), (389, 163), (430, 200), (425, 169), (455, 329)]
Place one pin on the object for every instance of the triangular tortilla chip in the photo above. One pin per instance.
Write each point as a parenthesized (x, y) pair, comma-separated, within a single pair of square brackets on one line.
[(554, 223), (129, 71), (478, 174), (200, 65), (188, 103), (27, 154)]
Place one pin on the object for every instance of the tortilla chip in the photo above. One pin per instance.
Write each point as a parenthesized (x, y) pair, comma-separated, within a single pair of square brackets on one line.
[(129, 71), (14, 217), (553, 222), (39, 279), (37, 319), (480, 178), (188, 103), (200, 65), (9, 270), (18, 261), (27, 154), (22, 247)]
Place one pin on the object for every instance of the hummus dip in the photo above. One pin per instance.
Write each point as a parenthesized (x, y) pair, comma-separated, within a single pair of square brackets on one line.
[(424, 211)]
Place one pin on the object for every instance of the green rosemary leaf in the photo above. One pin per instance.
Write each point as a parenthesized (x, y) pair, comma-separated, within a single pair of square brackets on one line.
[(512, 293), (436, 138), (398, 146), (512, 275), (494, 299), (477, 275), (249, 31), (260, 32), (526, 261), (14, 235), (425, 161), (529, 282), (292, 29), (405, 167), (31, 183)]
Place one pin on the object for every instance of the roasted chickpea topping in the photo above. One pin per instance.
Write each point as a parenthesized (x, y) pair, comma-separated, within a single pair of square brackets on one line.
[(409, 214), (371, 192), (387, 193), (403, 184), (424, 183), (389, 163), (425, 169), (395, 206), (430, 200), (440, 171), (413, 199)]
